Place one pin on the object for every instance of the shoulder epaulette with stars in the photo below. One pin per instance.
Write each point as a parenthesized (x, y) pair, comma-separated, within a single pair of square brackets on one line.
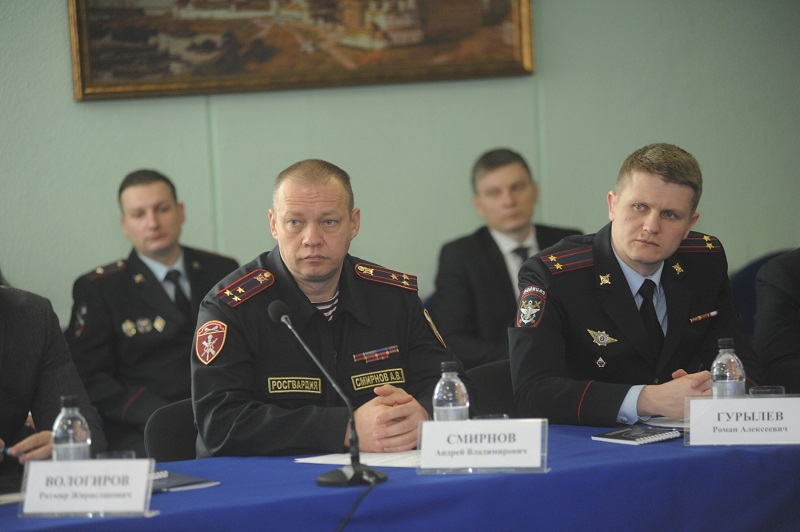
[(568, 260), (697, 243), (379, 274), (101, 271), (246, 287)]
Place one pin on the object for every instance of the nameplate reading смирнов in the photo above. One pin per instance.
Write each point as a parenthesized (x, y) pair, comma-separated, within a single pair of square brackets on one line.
[(484, 446), (744, 420), (93, 488)]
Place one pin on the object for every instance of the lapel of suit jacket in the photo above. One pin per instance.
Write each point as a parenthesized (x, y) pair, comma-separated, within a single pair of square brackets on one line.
[(193, 264), (678, 298), (497, 263), (151, 290), (615, 295)]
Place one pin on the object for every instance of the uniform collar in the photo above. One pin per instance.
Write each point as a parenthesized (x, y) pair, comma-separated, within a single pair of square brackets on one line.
[(160, 270)]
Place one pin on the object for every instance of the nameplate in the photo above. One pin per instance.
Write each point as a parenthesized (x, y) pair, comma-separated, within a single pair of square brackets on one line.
[(744, 421), (95, 488), (484, 446)]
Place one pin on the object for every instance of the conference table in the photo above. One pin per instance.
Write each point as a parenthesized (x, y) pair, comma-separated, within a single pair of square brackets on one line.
[(590, 485)]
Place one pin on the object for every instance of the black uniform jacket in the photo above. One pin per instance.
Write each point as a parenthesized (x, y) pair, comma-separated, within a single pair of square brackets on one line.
[(129, 340), (777, 324), (579, 344), (36, 369), (474, 303), (257, 392)]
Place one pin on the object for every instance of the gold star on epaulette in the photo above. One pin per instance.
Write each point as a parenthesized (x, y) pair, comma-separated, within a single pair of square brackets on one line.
[(383, 275), (698, 243), (246, 287), (568, 260), (102, 271), (677, 268), (605, 279)]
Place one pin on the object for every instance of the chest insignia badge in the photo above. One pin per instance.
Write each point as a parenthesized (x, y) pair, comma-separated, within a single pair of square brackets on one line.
[(601, 338)]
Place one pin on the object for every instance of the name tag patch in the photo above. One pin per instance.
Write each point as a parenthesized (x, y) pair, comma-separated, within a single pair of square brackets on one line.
[(294, 385), (378, 378)]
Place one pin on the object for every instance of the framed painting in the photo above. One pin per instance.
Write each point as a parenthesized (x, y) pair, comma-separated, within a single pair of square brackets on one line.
[(140, 48)]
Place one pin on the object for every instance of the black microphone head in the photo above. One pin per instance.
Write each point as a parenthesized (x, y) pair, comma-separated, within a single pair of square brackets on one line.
[(277, 310)]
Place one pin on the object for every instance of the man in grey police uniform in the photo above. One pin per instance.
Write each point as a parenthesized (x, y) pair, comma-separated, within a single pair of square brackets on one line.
[(580, 351), (128, 336), (257, 392)]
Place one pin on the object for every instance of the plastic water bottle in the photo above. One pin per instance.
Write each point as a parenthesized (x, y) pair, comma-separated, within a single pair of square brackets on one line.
[(727, 371), (450, 398), (71, 436)]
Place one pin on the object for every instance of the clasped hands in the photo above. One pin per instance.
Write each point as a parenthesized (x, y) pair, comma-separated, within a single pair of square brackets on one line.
[(389, 422), (667, 399)]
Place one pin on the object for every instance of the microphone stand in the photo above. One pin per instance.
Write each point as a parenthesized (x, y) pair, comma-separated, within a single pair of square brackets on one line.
[(355, 473)]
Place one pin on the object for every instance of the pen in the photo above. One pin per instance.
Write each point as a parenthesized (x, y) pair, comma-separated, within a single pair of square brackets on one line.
[(6, 451), (703, 316)]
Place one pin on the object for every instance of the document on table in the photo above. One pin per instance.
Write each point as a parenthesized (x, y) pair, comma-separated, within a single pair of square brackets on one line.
[(404, 459)]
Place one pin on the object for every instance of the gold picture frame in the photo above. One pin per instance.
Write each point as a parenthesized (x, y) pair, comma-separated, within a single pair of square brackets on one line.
[(146, 48)]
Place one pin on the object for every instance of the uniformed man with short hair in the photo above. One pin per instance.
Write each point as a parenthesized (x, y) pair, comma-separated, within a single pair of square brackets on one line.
[(133, 320), (254, 388), (592, 345)]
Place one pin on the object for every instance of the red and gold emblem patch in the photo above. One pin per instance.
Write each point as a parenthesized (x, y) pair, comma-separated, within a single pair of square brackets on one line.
[(209, 340), (531, 306)]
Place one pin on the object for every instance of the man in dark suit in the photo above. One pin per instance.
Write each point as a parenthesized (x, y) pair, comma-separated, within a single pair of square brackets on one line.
[(36, 369), (591, 344), (133, 320), (476, 285), (777, 323)]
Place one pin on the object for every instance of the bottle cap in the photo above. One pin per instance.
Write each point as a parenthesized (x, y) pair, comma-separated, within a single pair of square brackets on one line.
[(449, 366), (69, 401), (725, 343)]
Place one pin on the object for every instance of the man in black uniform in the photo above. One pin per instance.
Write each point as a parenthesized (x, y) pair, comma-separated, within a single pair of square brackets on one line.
[(476, 285), (581, 351), (257, 392), (133, 321)]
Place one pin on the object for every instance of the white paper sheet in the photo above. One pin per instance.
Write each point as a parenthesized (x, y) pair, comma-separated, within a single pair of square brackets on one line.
[(405, 459)]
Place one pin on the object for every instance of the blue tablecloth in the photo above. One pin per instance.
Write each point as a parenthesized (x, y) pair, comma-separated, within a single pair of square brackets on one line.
[(590, 484)]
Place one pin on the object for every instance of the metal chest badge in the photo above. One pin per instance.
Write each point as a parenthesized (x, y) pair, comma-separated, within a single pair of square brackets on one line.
[(601, 338)]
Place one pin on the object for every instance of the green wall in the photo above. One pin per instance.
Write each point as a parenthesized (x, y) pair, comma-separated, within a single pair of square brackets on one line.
[(720, 78)]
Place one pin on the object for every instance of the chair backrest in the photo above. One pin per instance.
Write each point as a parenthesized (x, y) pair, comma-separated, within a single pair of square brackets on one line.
[(493, 389), (170, 433)]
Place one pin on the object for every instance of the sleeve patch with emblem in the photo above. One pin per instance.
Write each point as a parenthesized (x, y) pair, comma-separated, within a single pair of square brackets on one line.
[(209, 340), (531, 306), (379, 274), (246, 287)]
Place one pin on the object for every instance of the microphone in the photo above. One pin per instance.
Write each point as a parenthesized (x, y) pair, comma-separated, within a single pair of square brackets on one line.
[(350, 475)]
